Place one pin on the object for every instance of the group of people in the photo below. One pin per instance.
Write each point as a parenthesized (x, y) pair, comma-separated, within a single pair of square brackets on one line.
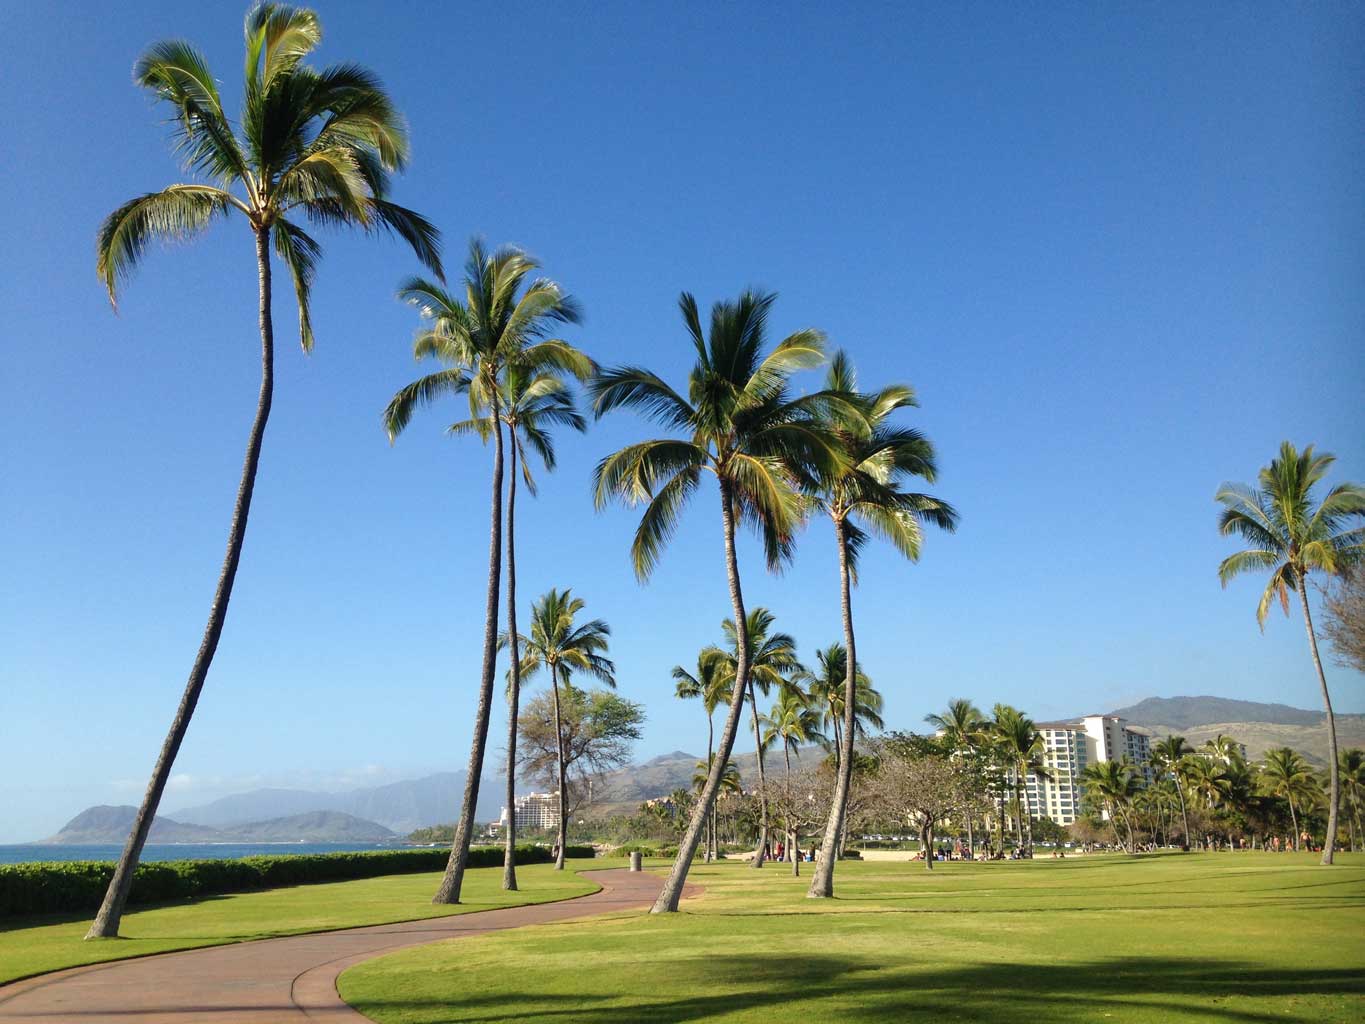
[(781, 852)]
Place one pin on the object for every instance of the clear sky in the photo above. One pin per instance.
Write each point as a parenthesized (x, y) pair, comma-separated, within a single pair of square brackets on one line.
[(1119, 251)]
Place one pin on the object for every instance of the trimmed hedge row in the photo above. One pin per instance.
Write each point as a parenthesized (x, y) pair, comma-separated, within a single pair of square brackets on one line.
[(58, 886)]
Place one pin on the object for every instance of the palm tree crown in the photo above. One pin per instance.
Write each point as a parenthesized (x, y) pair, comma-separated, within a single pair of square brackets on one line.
[(828, 683), (557, 642), (316, 143)]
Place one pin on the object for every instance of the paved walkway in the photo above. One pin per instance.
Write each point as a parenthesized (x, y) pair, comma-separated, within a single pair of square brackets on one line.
[(280, 981)]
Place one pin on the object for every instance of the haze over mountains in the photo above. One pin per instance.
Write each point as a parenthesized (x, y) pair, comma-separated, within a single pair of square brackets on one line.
[(392, 811)]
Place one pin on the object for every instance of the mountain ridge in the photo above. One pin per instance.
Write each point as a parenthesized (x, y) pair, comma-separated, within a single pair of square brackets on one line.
[(111, 824)]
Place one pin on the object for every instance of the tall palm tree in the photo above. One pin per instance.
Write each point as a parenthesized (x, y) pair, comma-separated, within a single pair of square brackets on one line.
[(826, 685), (962, 725), (1224, 748), (1208, 779), (1023, 746), (1352, 769), (532, 402), (1292, 539), (1113, 784), (710, 685), (791, 721), (1285, 774), (1166, 756), (500, 325), (563, 647), (863, 495), (772, 662), (312, 143), (740, 423)]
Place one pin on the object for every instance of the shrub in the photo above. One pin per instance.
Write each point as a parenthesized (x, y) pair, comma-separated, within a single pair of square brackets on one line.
[(58, 887)]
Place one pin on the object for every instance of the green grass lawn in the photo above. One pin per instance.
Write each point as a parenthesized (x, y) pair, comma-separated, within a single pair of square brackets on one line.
[(1246, 937), (34, 945)]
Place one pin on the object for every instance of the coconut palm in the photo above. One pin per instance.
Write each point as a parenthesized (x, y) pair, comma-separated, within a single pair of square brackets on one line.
[(772, 664), (1224, 749), (313, 143), (826, 685), (532, 402), (792, 721), (563, 648), (1284, 773), (1207, 779), (1291, 538), (739, 423), (1023, 747), (498, 328), (1166, 757), (1113, 784), (710, 685), (962, 725), (1352, 771), (863, 497)]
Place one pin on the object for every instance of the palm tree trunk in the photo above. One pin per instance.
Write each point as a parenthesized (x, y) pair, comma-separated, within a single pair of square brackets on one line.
[(1026, 816), (1334, 789), (449, 889), (1184, 818), (559, 760), (822, 878), (677, 876), (757, 862), (1294, 819), (509, 851), (712, 846), (106, 923)]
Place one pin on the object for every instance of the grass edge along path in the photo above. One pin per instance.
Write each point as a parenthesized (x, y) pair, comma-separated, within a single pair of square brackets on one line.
[(43, 944), (1240, 938)]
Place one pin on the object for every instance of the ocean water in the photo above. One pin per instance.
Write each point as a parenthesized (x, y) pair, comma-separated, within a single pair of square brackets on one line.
[(175, 851)]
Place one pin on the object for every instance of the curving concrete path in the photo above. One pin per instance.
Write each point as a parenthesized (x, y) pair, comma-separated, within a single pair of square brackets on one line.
[(281, 981)]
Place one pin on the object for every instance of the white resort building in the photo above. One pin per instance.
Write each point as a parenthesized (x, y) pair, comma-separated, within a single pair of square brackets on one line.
[(1068, 748), (535, 811)]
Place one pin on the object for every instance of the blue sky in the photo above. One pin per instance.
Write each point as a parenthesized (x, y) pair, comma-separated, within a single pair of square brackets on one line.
[(1117, 250)]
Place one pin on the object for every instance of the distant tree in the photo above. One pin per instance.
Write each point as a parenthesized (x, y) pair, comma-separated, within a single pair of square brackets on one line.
[(1285, 774), (922, 790), (310, 143), (1343, 618), (1291, 538), (1166, 757), (1352, 771), (563, 648), (597, 732), (1022, 744), (963, 727), (711, 685), (1112, 785), (800, 802)]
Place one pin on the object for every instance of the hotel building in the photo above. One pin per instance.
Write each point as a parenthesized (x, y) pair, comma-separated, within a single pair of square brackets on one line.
[(1068, 747)]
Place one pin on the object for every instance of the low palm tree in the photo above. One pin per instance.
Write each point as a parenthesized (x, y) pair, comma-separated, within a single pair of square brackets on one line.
[(1113, 784), (1285, 774), (499, 327), (1292, 538), (313, 143), (740, 423), (962, 725), (772, 664), (563, 647), (710, 685), (863, 496), (1166, 757), (1023, 746), (1207, 779)]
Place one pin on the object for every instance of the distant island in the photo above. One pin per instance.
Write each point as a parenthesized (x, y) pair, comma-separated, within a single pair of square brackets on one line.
[(102, 825)]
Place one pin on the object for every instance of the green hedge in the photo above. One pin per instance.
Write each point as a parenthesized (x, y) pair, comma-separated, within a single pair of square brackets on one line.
[(55, 887)]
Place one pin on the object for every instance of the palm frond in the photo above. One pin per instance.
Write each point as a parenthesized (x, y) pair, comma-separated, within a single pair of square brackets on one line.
[(173, 214)]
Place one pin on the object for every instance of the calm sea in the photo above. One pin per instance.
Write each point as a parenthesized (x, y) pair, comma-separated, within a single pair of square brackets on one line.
[(173, 851)]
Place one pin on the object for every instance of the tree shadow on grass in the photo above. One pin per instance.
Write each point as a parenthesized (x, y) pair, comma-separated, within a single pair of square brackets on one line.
[(829, 988)]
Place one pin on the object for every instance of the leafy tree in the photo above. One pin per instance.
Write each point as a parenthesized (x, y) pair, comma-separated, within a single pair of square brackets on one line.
[(863, 496), (563, 647), (740, 423), (1343, 619), (922, 790), (1292, 538), (1167, 755), (596, 732), (1285, 774), (313, 143), (500, 326)]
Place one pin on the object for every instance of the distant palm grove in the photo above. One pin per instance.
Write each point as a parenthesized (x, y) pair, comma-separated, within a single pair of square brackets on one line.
[(742, 440)]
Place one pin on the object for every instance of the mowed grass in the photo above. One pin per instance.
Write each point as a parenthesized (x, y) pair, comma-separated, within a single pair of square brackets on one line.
[(1245, 937), (35, 945)]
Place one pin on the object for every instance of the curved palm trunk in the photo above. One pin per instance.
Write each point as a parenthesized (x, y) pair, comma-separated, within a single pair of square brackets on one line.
[(677, 876), (449, 889), (509, 851), (1184, 818), (822, 878), (1025, 816), (559, 761), (710, 759), (1294, 820), (757, 862), (1334, 789), (106, 923)]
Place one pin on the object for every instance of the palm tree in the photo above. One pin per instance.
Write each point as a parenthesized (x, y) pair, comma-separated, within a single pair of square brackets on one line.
[(1224, 748), (532, 402), (1285, 774), (710, 685), (827, 686), (863, 494), (740, 423), (1023, 746), (1352, 769), (1114, 785), (1166, 756), (561, 647), (320, 144), (772, 663), (962, 725), (1207, 778), (793, 721), (498, 328), (1291, 538)]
